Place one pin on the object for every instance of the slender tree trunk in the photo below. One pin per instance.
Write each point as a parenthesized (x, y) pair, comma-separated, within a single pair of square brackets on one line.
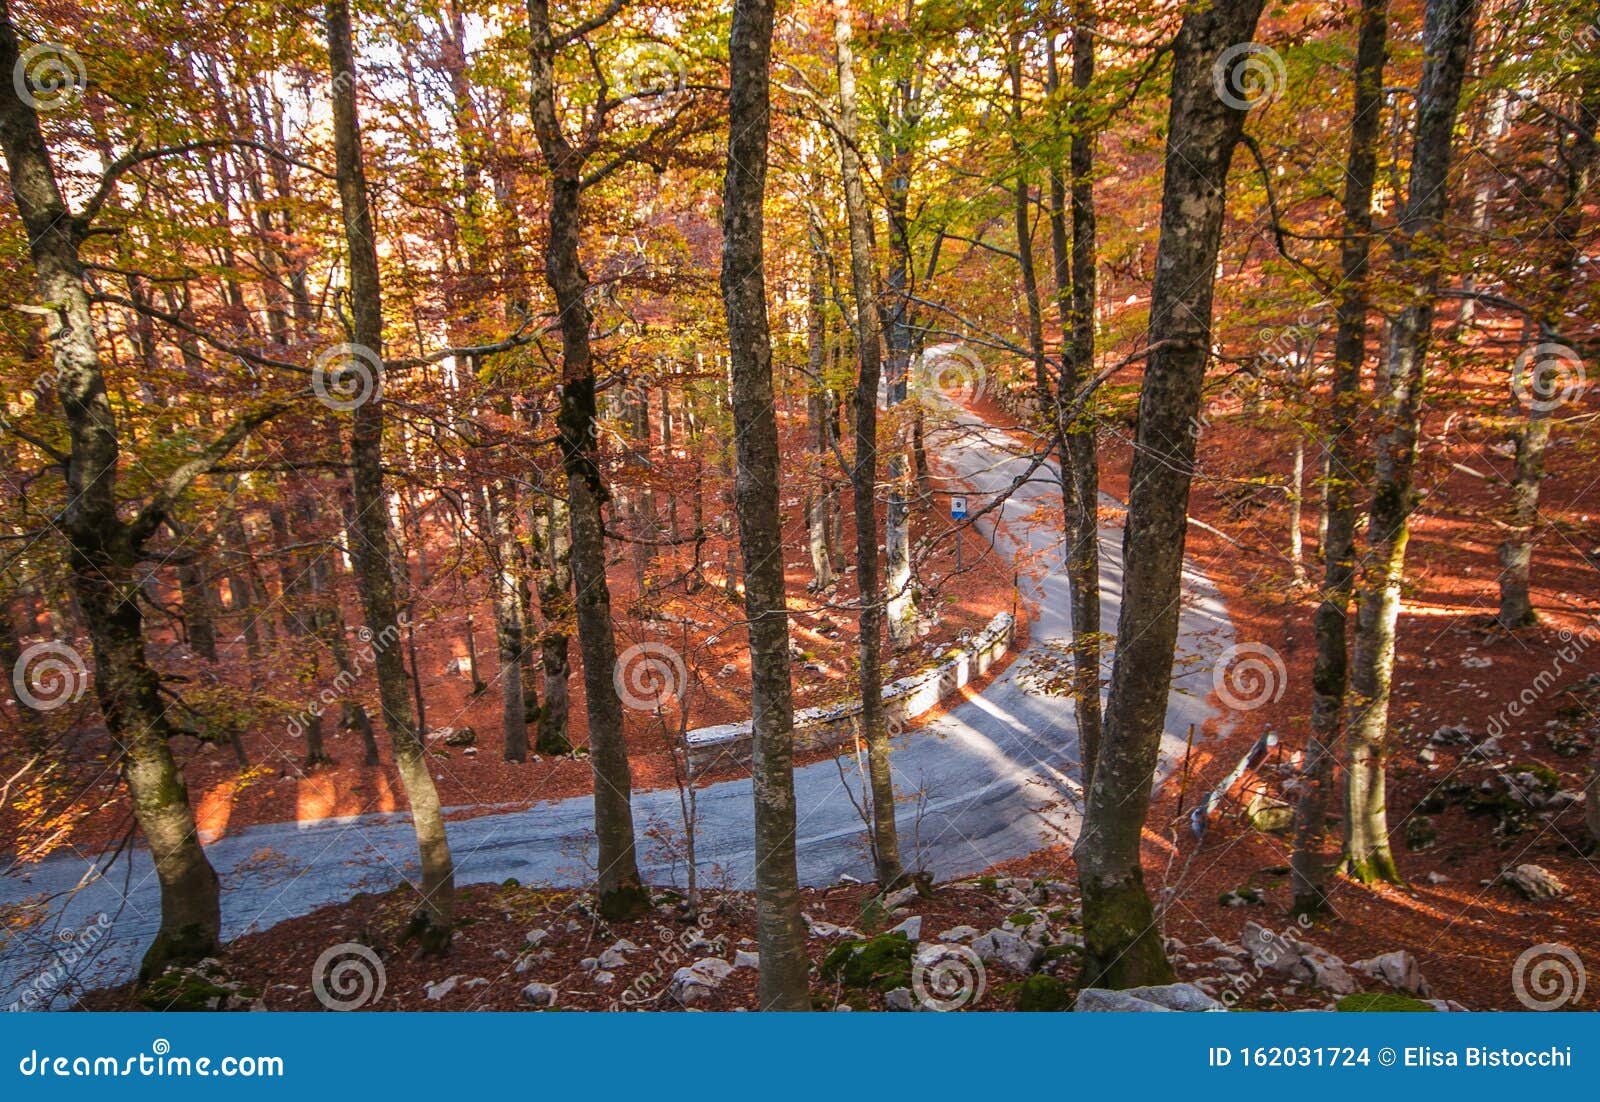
[(619, 890), (1123, 945), (1545, 369), (551, 527), (900, 606), (1076, 276), (104, 551), (508, 627), (780, 932), (1447, 42), (864, 471), (369, 530), (1337, 542)]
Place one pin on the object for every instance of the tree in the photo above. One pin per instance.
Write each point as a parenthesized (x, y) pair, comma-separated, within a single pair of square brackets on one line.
[(369, 529), (1330, 668), (780, 932), (1447, 44), (1123, 945), (864, 464)]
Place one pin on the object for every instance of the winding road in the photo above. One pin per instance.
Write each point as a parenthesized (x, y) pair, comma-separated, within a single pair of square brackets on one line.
[(991, 779)]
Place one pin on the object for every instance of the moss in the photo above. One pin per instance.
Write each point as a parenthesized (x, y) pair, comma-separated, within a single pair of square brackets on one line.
[(189, 991), (1383, 1002), (879, 963), (1122, 945), (624, 903), (1548, 778), (1043, 993), (1420, 832), (987, 883)]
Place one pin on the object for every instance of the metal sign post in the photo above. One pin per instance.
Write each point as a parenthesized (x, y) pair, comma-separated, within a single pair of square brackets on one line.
[(958, 512)]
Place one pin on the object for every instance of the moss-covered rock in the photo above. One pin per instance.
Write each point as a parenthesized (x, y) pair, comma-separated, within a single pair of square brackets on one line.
[(203, 987), (879, 963), (1043, 993), (1382, 1002)]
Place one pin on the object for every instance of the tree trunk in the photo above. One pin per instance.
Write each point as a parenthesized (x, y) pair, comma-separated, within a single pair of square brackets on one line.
[(864, 469), (780, 933), (620, 893), (1546, 368), (104, 551), (1330, 668), (1447, 41), (1076, 276), (508, 627), (1123, 944), (555, 604), (369, 531)]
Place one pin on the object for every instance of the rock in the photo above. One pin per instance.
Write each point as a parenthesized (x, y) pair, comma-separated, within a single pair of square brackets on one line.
[(1176, 996), (610, 959), (623, 945), (1446, 1006), (604, 978), (959, 933), (1399, 969), (1327, 971), (899, 999), (474, 983), (589, 964), (461, 736), (1268, 815), (1100, 1000), (1009, 949), (1534, 882), (437, 991), (911, 927), (693, 984), (742, 959), (1241, 897), (900, 898), (539, 994), (829, 930), (1436, 878)]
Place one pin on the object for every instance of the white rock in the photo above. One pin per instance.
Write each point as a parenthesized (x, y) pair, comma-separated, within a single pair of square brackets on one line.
[(743, 959), (900, 898), (604, 978), (911, 927), (1399, 969), (900, 999), (1007, 948), (539, 994), (437, 991), (959, 933), (610, 959)]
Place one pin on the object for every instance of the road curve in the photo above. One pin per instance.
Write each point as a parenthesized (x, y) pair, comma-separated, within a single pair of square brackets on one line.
[(992, 779)]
